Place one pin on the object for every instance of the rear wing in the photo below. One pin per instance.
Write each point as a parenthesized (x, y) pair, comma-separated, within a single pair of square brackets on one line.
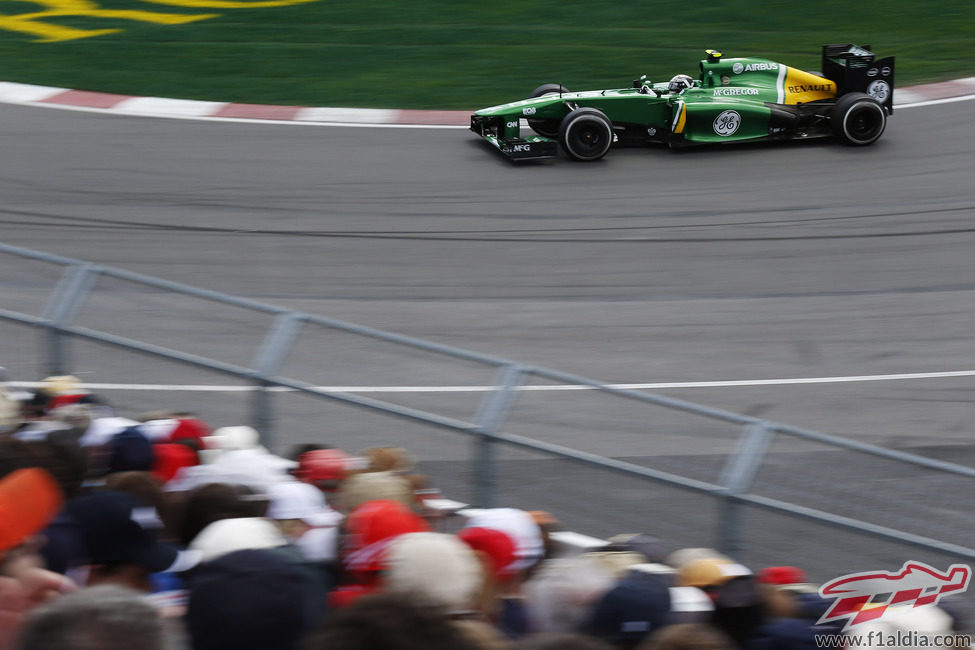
[(855, 68)]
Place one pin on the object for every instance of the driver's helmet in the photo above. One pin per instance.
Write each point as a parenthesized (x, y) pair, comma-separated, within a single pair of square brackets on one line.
[(680, 82)]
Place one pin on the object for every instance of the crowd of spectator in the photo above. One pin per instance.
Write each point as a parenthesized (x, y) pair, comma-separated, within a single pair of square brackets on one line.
[(162, 533)]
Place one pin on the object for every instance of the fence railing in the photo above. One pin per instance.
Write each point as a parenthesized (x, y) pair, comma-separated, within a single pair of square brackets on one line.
[(84, 301)]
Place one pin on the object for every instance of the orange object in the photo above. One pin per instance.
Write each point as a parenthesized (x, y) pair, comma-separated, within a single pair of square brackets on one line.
[(29, 500)]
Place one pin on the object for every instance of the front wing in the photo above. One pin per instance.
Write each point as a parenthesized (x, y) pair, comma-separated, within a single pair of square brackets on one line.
[(532, 147)]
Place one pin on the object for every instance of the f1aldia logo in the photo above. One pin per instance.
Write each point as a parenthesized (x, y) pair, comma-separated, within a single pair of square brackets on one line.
[(863, 597)]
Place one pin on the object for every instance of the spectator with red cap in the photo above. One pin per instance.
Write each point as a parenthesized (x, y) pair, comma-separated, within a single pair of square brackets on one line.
[(792, 609), (325, 469), (190, 428), (365, 534), (496, 552), (529, 543), (170, 457)]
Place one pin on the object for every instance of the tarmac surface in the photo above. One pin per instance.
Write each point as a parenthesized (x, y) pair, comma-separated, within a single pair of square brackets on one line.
[(724, 276)]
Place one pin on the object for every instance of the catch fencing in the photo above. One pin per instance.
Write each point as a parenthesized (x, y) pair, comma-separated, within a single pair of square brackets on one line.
[(762, 478)]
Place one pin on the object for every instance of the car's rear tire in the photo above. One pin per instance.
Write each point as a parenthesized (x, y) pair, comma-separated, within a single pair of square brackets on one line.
[(586, 134), (858, 119), (547, 128)]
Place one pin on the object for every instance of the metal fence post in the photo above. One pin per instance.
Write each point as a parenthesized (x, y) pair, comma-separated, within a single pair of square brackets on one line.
[(61, 308), (490, 417), (736, 478), (267, 361)]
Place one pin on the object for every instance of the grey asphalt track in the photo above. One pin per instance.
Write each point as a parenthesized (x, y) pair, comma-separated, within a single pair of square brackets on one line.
[(745, 262)]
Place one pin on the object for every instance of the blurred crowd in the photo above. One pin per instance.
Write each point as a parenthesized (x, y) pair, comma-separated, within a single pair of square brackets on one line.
[(162, 532)]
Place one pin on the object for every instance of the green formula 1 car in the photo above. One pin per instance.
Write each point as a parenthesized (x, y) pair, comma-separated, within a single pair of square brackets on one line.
[(733, 100)]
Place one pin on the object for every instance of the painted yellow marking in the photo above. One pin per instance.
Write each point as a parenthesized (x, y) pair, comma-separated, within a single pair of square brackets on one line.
[(38, 24), (229, 4), (34, 23), (681, 119), (801, 87)]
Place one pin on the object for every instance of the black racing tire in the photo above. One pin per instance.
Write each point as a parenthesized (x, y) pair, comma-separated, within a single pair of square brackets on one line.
[(586, 134), (546, 128), (858, 119)]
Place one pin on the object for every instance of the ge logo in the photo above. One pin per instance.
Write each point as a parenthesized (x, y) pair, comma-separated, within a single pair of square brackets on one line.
[(738, 68), (879, 90), (727, 123)]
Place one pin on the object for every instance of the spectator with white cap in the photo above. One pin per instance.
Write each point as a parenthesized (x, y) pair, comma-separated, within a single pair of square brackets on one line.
[(238, 534), (234, 455), (300, 512)]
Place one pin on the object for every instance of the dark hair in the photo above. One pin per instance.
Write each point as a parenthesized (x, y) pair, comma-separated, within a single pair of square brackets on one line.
[(392, 622), (14, 454), (146, 488), (63, 457), (213, 502), (688, 636), (560, 641)]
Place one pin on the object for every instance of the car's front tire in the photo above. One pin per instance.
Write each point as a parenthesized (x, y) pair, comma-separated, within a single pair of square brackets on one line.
[(586, 134), (547, 128), (858, 119)]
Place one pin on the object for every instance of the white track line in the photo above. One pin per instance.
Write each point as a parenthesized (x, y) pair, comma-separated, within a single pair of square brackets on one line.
[(185, 109), (532, 388), (935, 102)]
